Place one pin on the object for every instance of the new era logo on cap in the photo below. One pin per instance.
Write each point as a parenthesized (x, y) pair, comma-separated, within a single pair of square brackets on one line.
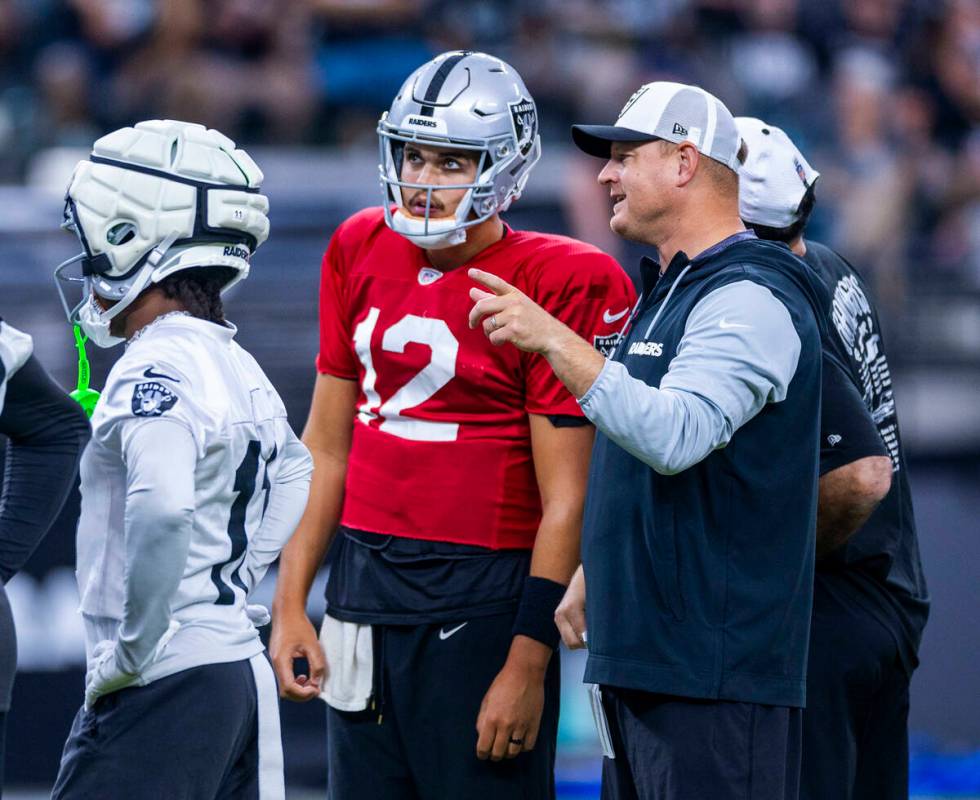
[(679, 129)]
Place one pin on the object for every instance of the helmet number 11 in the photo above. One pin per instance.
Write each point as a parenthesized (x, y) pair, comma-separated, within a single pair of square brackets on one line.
[(437, 373)]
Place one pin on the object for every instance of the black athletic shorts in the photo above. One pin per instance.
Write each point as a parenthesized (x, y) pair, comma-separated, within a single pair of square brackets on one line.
[(419, 740)]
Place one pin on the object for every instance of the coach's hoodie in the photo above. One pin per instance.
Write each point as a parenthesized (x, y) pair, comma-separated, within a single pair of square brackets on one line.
[(698, 536)]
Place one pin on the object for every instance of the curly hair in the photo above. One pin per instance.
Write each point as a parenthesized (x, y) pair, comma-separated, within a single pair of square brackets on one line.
[(199, 290)]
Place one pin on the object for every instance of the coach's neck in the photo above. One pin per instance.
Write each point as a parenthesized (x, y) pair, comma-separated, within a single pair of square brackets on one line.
[(702, 228)]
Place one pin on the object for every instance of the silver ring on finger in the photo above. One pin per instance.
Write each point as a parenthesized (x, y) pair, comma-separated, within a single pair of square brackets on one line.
[(493, 322)]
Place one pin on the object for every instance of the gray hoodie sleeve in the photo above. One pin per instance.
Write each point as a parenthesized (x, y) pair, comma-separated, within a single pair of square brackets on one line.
[(739, 351)]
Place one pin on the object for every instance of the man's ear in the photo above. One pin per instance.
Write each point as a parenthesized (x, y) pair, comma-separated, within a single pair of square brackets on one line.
[(688, 159)]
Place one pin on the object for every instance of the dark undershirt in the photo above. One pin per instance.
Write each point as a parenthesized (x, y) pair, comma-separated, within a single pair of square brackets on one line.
[(392, 580), (379, 579)]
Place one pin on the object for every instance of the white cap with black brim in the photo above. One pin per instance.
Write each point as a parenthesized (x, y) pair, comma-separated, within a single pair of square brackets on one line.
[(674, 112), (775, 177)]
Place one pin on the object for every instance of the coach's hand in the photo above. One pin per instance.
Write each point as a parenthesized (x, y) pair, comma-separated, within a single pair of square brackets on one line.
[(510, 714), (293, 636), (570, 614), (509, 315)]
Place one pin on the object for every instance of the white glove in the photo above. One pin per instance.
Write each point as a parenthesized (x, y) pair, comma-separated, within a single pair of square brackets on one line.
[(258, 615), (105, 676)]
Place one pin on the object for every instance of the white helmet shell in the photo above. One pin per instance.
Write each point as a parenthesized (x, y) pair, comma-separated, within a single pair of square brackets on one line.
[(468, 101), (157, 198)]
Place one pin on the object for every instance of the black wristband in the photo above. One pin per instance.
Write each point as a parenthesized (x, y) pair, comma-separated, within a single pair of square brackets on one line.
[(536, 612)]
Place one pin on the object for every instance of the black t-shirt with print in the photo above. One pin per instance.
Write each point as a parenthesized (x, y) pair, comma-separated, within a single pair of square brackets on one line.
[(879, 565)]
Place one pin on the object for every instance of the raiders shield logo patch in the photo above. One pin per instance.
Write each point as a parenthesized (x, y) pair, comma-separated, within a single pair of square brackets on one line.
[(606, 344), (633, 98), (152, 399), (524, 118)]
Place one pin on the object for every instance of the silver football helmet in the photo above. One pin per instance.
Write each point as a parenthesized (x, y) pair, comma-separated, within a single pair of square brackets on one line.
[(467, 101), (151, 200)]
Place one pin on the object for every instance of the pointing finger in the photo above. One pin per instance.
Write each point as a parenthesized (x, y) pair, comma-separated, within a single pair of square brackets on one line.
[(491, 281)]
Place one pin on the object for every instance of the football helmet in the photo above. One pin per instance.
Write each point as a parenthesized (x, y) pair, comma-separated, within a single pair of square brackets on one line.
[(467, 101), (151, 200)]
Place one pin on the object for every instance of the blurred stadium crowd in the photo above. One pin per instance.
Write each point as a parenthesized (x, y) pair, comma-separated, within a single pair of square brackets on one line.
[(882, 95)]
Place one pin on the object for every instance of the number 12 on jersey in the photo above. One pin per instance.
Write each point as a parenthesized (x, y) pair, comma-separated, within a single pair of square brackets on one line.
[(441, 369)]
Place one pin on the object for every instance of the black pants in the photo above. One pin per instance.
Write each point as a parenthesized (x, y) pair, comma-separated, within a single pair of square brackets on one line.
[(855, 726), (419, 742), (677, 748), (194, 735)]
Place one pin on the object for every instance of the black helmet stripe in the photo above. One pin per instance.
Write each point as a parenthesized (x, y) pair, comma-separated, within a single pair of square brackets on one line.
[(435, 85)]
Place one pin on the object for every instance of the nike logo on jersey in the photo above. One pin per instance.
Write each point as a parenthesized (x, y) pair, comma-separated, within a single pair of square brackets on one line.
[(725, 325), (609, 319), (444, 634), (149, 373)]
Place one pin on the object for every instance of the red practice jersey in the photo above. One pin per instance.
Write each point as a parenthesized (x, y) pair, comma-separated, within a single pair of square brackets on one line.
[(441, 448)]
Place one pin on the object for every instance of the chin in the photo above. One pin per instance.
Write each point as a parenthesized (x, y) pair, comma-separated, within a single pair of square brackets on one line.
[(619, 226)]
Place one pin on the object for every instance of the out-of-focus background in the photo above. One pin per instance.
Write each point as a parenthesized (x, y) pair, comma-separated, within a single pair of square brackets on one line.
[(883, 96)]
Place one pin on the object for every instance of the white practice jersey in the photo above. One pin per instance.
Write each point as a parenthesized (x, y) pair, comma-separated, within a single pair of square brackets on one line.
[(190, 372), (15, 349)]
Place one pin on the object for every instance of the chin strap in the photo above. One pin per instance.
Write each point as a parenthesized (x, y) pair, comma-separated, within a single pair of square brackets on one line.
[(85, 397)]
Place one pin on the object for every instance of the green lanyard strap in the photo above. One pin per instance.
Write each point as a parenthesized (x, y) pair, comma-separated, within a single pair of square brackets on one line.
[(85, 397)]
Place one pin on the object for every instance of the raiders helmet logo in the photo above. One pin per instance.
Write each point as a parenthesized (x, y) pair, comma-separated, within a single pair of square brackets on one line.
[(524, 118), (152, 399)]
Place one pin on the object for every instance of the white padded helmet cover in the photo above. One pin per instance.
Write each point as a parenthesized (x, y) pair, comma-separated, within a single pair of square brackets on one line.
[(139, 188)]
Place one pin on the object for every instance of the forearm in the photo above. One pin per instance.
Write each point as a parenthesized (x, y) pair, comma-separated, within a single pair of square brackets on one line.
[(48, 432), (287, 501), (561, 463), (554, 558), (159, 519), (848, 497), (556, 547), (836, 526), (304, 552), (156, 554), (575, 362), (665, 429)]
